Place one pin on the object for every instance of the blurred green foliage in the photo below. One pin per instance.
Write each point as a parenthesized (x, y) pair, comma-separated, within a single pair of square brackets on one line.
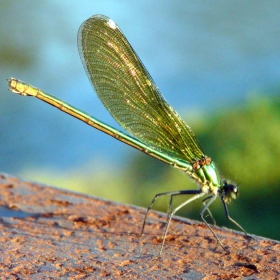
[(244, 141)]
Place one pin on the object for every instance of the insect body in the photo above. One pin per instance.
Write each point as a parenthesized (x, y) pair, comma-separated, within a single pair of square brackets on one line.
[(131, 96)]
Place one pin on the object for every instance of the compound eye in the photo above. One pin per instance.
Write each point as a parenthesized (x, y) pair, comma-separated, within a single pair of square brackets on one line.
[(233, 191), (230, 191)]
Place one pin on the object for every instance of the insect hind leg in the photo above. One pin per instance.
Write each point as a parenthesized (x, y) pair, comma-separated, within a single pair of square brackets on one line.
[(153, 201), (197, 194), (170, 212)]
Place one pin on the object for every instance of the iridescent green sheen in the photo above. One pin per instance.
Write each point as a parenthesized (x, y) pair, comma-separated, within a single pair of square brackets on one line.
[(131, 96), (129, 93)]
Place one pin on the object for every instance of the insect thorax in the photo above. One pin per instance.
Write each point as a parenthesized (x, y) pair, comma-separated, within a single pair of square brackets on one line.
[(206, 174)]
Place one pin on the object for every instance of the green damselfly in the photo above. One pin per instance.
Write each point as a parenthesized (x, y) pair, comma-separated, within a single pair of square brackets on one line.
[(131, 96)]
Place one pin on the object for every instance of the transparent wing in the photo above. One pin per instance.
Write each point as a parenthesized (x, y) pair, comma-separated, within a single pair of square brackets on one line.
[(129, 93)]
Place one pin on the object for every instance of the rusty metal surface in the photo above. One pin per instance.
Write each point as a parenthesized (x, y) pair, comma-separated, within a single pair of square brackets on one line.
[(49, 233)]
